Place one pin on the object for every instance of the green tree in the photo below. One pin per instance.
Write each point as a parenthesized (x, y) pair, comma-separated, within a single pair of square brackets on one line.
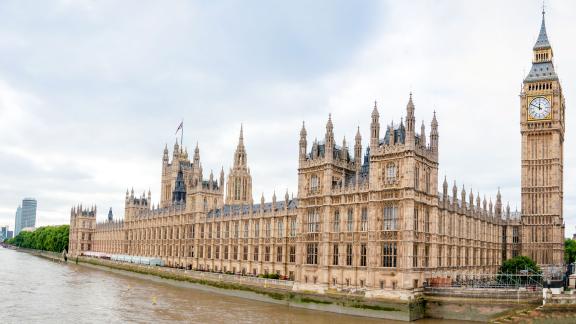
[(520, 270), (569, 251), (518, 264), (48, 238)]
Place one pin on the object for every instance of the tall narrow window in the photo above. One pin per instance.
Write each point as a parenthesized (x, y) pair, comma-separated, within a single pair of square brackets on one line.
[(336, 222), (440, 256), (292, 254), (293, 227), (246, 229), (363, 255), (427, 220), (416, 219), (257, 229), (280, 228), (416, 178), (389, 254), (255, 253), (364, 219), (335, 255), (312, 253), (350, 223), (268, 228), (426, 255), (314, 183), (415, 256), (267, 253), (390, 218), (349, 254), (391, 173), (313, 221), (279, 254)]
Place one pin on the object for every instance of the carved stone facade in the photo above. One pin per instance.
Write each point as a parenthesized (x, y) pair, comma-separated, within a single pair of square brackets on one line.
[(373, 220)]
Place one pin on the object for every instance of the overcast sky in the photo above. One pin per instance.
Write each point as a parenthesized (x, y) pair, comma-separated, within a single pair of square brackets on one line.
[(91, 91)]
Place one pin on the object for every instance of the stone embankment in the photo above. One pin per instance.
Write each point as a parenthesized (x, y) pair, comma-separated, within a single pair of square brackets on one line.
[(275, 291), (254, 288)]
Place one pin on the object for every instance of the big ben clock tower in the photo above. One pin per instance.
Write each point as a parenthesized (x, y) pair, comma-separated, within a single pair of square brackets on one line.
[(542, 129)]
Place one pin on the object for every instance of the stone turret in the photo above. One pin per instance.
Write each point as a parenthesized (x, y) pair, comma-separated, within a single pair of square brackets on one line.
[(410, 122), (434, 134), (239, 185), (358, 149), (329, 139), (375, 128), (303, 143)]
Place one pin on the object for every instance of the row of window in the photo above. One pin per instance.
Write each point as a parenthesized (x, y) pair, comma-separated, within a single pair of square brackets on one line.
[(388, 253), (217, 231), (390, 220)]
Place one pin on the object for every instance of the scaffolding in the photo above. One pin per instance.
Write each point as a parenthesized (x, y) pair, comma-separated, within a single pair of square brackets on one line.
[(521, 279)]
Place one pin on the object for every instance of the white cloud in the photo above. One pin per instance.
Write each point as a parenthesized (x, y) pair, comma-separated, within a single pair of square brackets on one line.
[(93, 90)]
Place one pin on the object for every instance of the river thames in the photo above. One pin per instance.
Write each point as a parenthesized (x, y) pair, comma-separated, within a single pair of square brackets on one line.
[(37, 290)]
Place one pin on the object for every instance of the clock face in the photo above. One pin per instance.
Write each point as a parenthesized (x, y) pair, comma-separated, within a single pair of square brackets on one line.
[(539, 108)]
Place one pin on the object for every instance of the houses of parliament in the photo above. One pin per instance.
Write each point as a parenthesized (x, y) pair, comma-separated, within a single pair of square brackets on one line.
[(376, 218)]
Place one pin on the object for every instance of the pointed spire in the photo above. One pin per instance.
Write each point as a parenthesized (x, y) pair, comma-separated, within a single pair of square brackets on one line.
[(542, 41), (423, 135), (329, 125), (303, 144), (358, 149), (286, 197), (375, 113), (478, 200), (196, 154), (241, 137), (375, 127)]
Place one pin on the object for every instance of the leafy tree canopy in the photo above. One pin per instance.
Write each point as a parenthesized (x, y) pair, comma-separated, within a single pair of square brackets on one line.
[(519, 263), (48, 238), (570, 251)]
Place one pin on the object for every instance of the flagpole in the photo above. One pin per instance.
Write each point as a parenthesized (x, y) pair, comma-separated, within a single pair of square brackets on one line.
[(182, 135)]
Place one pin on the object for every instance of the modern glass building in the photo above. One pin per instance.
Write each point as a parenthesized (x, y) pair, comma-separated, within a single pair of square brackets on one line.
[(17, 221), (25, 215)]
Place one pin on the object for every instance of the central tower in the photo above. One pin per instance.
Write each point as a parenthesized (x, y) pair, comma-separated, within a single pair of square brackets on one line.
[(239, 186), (542, 128)]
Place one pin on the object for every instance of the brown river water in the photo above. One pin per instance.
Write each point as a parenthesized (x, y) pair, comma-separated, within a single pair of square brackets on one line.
[(37, 290)]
